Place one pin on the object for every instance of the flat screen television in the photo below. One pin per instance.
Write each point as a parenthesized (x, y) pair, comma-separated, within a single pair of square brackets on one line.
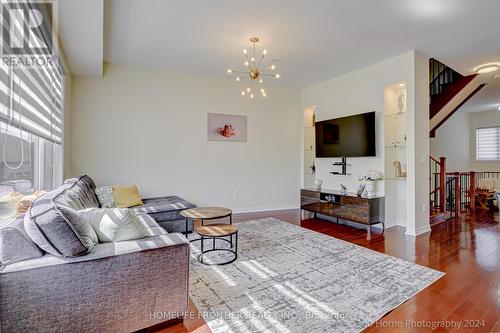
[(352, 136)]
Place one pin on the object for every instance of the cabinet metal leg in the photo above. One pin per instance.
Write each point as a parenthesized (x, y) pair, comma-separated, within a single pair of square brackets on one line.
[(236, 244), (369, 231), (201, 250)]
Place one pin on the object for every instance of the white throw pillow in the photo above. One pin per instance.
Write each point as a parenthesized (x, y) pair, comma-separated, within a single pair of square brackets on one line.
[(114, 224)]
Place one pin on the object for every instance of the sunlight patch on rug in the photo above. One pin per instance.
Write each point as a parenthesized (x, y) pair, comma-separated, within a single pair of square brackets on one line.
[(291, 279)]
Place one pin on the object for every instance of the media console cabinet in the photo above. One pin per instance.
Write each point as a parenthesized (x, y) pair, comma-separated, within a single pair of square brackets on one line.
[(345, 206)]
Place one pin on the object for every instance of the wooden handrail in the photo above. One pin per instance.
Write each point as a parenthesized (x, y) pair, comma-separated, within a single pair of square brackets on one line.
[(435, 190), (435, 160)]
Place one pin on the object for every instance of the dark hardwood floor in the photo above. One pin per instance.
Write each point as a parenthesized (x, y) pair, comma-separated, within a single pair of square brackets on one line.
[(467, 250)]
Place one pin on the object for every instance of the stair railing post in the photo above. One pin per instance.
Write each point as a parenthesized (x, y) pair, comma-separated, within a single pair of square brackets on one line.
[(442, 184), (457, 194), (472, 192)]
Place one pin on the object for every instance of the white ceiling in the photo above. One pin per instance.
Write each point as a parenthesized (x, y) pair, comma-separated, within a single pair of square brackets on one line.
[(81, 33), (312, 40)]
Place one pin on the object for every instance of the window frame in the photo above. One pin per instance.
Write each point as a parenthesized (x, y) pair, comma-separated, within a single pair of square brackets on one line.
[(476, 129)]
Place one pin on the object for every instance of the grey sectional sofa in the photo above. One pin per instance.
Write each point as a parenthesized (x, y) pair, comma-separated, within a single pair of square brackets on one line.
[(59, 285), (167, 212)]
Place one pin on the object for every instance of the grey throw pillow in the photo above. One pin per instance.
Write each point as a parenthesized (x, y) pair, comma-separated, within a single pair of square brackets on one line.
[(105, 196), (50, 228), (15, 245), (81, 226)]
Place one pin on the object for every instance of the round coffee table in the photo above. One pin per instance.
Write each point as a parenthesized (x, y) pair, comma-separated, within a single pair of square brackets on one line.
[(205, 214), (218, 231)]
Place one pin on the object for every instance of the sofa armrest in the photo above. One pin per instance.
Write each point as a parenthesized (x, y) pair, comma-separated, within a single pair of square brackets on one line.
[(119, 287), (102, 250)]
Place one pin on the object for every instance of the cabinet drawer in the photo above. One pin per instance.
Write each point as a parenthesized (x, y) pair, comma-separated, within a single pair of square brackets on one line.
[(310, 194), (355, 201)]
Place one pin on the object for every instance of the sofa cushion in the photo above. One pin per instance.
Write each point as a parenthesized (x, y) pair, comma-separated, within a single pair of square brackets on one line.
[(164, 208), (15, 244), (49, 228), (114, 224)]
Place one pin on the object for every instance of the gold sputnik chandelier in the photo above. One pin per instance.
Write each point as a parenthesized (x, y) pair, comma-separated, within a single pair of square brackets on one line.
[(255, 72)]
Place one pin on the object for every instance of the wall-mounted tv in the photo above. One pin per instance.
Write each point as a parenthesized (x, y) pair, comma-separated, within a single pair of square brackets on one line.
[(352, 136)]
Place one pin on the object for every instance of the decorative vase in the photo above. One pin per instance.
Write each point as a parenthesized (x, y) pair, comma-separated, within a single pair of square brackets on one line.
[(370, 188), (317, 184)]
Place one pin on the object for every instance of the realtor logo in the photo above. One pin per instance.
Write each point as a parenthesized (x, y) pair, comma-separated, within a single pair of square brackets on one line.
[(27, 33)]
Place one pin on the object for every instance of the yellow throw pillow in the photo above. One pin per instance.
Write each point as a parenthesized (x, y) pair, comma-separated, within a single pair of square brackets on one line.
[(126, 196)]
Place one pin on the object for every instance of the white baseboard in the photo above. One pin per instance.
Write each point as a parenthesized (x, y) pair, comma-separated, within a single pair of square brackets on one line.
[(419, 231), (263, 209), (391, 223)]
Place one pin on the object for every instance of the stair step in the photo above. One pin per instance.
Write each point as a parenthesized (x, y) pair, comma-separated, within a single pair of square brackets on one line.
[(437, 217)]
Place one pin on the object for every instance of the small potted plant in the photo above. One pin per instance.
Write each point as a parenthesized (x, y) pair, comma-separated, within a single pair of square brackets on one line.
[(369, 179)]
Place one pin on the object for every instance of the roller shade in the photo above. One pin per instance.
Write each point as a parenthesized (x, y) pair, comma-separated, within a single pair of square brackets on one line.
[(32, 97), (488, 144)]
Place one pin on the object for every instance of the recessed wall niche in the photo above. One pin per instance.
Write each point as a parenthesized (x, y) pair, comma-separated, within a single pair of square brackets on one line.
[(395, 148)]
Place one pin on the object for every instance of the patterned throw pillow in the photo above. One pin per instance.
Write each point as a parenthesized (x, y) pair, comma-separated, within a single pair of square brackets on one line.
[(105, 196), (114, 224)]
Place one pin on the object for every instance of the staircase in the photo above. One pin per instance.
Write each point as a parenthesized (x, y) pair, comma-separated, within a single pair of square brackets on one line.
[(449, 90)]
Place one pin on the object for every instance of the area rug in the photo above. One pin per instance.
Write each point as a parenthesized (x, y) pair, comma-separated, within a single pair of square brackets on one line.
[(291, 279)]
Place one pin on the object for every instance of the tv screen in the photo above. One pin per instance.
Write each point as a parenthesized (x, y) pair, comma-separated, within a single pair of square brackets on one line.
[(352, 136)]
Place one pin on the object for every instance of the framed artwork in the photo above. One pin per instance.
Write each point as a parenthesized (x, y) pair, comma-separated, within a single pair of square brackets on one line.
[(226, 127)]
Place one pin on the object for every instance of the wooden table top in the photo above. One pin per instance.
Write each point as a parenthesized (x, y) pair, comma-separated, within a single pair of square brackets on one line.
[(206, 213), (216, 230)]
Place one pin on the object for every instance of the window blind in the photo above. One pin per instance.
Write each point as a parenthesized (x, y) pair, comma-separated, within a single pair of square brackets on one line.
[(32, 97), (488, 144)]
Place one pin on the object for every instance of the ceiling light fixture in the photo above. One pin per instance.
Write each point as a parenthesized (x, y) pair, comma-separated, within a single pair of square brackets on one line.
[(487, 68), (499, 108), (255, 71)]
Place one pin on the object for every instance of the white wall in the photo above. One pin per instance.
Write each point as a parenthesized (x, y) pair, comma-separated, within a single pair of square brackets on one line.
[(356, 92), (453, 141), (148, 127), (418, 147), (456, 140), (362, 91)]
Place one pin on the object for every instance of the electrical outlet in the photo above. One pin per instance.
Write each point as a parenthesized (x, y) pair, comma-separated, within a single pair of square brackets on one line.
[(235, 194)]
